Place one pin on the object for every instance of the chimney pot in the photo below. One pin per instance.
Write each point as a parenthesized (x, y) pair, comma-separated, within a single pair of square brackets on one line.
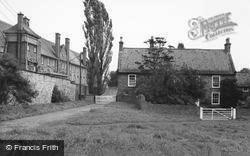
[(26, 21)]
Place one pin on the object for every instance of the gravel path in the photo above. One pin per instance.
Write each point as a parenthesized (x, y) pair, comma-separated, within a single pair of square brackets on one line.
[(34, 121)]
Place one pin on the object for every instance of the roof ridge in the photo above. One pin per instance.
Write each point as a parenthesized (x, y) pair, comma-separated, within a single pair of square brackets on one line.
[(175, 48)]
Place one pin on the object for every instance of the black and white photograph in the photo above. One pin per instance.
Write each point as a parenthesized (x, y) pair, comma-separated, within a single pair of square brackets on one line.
[(124, 78)]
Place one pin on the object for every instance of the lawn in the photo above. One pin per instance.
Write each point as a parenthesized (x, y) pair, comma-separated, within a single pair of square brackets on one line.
[(120, 129)]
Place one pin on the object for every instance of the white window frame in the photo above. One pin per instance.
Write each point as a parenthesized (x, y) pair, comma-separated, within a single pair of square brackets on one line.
[(129, 83), (213, 81), (245, 90), (212, 98), (42, 60), (35, 49), (48, 61)]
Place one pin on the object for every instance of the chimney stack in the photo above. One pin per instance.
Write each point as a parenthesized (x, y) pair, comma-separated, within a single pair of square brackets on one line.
[(26, 21), (57, 44), (67, 47), (120, 44), (227, 45), (19, 20), (84, 54), (57, 50)]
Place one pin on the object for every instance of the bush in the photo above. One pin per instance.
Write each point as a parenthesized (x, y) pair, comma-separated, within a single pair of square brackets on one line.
[(58, 96), (13, 87), (230, 94)]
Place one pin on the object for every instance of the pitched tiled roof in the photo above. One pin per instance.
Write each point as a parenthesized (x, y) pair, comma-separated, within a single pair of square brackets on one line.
[(25, 29), (206, 61), (3, 26), (243, 79), (47, 47)]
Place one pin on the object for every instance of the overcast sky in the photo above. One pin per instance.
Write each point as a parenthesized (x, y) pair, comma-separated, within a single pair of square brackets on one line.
[(136, 21)]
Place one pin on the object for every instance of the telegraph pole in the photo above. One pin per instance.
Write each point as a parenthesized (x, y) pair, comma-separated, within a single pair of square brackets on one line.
[(80, 86)]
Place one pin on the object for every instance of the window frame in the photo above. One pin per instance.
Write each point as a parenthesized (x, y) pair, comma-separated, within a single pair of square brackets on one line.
[(129, 82), (213, 81), (245, 90), (42, 60), (212, 102)]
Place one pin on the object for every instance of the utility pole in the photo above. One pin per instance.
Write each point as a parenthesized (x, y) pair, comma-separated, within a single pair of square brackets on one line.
[(80, 86)]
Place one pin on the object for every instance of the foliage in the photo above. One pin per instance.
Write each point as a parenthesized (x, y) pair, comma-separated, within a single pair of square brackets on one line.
[(245, 70), (13, 85), (98, 34), (58, 96), (163, 83), (113, 79), (230, 94), (181, 46)]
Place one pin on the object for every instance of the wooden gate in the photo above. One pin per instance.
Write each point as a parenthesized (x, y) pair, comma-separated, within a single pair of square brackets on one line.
[(104, 99), (217, 113)]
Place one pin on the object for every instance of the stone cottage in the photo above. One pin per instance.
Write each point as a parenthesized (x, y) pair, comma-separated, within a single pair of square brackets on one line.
[(213, 66), (43, 62)]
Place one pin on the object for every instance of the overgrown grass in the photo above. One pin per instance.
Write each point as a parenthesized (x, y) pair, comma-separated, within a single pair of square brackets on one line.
[(121, 130), (10, 112)]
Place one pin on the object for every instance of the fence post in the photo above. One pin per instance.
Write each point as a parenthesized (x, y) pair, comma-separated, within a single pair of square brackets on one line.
[(212, 114), (201, 113), (234, 113)]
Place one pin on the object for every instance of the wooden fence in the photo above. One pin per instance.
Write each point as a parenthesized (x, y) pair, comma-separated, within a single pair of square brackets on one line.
[(217, 113), (104, 99)]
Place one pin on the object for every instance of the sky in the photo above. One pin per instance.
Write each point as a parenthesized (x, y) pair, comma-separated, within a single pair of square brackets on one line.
[(136, 21)]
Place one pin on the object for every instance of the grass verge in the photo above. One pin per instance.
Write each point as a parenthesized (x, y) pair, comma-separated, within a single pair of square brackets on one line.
[(11, 112)]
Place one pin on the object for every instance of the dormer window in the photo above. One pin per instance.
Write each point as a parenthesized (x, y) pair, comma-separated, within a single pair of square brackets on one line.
[(216, 81)]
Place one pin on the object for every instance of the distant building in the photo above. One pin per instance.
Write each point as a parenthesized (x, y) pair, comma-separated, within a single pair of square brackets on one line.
[(38, 55), (213, 66), (243, 82)]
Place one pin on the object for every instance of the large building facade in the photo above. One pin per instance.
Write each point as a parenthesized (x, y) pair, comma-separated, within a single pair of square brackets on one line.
[(37, 55), (213, 66)]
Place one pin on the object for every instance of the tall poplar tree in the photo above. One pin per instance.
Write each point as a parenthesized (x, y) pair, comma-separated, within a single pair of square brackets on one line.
[(98, 34)]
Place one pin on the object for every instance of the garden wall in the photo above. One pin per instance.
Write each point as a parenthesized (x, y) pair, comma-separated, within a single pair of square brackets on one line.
[(44, 85)]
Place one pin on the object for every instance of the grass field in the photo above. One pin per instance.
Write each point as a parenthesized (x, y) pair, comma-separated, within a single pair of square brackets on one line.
[(121, 130)]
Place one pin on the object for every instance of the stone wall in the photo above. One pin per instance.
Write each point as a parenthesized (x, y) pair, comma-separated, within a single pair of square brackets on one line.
[(44, 84)]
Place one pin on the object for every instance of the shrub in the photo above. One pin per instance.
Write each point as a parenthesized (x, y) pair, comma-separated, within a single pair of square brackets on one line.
[(58, 96), (13, 85)]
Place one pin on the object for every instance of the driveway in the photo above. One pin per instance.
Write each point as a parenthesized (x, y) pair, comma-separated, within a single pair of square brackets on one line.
[(34, 121)]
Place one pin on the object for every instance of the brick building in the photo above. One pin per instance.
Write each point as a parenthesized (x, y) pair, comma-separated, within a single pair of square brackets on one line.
[(213, 66), (38, 55)]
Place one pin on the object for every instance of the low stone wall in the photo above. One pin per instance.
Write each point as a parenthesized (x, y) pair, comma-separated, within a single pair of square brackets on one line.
[(44, 84)]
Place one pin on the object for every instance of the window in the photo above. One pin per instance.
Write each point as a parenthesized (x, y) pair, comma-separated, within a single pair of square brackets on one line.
[(131, 80), (215, 98), (245, 90), (215, 81), (42, 60), (48, 61), (28, 47), (31, 48)]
